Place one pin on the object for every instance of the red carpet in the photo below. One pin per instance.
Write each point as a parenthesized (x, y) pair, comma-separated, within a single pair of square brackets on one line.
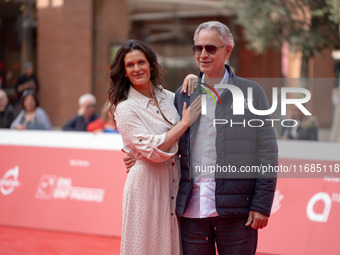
[(16, 241)]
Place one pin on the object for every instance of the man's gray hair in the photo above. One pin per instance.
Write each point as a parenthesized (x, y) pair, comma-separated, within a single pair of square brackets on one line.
[(226, 36), (87, 97)]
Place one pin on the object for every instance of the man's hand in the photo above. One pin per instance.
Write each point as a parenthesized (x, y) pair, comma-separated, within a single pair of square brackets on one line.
[(257, 220), (81, 110), (129, 161)]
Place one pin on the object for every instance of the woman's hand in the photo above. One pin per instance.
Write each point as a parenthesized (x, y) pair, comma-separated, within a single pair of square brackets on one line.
[(190, 114), (129, 161), (189, 84)]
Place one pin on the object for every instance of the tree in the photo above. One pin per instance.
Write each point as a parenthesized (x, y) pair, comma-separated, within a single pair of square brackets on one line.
[(307, 25)]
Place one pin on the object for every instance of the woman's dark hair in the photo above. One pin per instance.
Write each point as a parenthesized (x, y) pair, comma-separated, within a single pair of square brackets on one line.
[(25, 94), (119, 84)]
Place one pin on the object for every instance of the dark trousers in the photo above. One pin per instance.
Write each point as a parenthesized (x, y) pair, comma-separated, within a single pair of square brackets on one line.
[(230, 234)]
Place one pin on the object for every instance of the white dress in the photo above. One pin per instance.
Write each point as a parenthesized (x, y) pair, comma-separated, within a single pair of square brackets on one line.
[(150, 225)]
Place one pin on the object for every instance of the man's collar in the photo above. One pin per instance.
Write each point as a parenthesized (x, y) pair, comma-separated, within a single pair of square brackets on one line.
[(228, 69), (225, 78)]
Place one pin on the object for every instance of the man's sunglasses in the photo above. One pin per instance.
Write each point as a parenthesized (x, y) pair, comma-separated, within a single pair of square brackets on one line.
[(211, 49)]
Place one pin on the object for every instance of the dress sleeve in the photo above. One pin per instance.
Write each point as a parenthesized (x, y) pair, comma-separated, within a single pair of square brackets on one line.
[(136, 134), (44, 119)]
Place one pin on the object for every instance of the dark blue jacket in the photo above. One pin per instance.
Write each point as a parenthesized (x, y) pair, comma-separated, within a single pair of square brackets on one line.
[(78, 123), (238, 146)]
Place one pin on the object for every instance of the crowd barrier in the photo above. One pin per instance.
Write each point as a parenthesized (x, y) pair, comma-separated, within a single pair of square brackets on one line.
[(73, 182)]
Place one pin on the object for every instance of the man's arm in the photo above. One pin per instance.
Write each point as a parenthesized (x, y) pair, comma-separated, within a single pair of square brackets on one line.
[(23, 87), (266, 154), (70, 125)]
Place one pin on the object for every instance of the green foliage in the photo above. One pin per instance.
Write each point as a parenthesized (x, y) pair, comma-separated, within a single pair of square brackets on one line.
[(308, 25), (334, 8)]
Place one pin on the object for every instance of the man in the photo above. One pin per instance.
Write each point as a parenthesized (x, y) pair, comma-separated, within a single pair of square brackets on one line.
[(7, 114), (26, 81), (215, 208), (86, 114)]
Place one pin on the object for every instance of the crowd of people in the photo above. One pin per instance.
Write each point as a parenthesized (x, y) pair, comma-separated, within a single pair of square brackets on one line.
[(32, 117), (27, 114)]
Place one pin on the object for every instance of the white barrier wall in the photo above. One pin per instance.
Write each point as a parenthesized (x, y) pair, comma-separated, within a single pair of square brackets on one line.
[(73, 181)]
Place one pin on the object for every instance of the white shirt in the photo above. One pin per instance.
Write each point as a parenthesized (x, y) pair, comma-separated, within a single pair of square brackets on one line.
[(142, 125), (203, 155)]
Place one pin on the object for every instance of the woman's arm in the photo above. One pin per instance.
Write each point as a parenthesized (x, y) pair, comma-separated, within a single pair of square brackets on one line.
[(157, 148), (43, 118), (189, 116)]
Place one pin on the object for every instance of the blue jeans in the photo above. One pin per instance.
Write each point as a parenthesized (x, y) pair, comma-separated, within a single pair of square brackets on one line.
[(230, 234)]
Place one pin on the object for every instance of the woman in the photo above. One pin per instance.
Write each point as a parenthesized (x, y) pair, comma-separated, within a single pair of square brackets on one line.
[(31, 116), (150, 127), (105, 123)]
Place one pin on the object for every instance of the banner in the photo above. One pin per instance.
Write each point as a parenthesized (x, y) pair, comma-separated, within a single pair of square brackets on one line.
[(59, 188), (73, 181), (305, 212)]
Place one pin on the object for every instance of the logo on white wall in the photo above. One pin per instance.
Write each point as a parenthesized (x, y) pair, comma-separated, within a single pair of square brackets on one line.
[(278, 197), (10, 181), (53, 187), (46, 187), (319, 216)]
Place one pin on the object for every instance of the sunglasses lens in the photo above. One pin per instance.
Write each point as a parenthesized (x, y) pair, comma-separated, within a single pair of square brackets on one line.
[(211, 49), (197, 49)]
